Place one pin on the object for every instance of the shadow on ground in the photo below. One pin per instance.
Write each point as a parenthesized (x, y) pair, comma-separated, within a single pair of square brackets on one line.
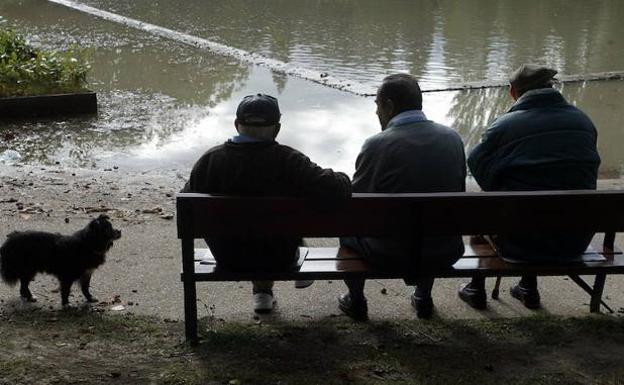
[(87, 347)]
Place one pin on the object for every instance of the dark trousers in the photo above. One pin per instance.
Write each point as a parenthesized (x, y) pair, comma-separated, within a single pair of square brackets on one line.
[(423, 285)]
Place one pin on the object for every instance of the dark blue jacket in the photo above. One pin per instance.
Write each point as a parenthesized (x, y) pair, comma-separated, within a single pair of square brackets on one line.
[(541, 143)]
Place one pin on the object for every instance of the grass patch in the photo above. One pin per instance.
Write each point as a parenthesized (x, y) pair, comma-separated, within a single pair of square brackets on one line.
[(97, 348), (25, 70)]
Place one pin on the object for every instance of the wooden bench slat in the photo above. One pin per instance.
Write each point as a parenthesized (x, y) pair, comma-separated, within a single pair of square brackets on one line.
[(329, 253), (340, 268), (201, 215)]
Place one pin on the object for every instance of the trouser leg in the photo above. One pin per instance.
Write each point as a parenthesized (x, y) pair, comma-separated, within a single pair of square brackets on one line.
[(528, 281), (263, 287), (478, 283), (423, 286), (356, 287)]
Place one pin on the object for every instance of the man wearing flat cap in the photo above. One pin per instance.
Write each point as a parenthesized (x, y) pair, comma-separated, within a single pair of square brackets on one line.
[(541, 143), (252, 163)]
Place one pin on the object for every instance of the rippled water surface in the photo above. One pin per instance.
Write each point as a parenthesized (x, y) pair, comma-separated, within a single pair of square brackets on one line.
[(162, 103)]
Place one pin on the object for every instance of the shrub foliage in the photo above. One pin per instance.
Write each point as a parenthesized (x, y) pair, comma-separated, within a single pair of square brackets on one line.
[(25, 70)]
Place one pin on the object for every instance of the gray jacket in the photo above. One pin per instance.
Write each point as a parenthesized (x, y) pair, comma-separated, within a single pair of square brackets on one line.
[(413, 155)]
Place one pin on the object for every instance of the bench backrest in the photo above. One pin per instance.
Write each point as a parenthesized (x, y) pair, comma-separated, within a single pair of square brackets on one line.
[(201, 215)]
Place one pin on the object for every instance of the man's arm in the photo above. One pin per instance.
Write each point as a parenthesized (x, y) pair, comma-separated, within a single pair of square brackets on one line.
[(366, 166), (482, 159), (192, 184), (315, 181)]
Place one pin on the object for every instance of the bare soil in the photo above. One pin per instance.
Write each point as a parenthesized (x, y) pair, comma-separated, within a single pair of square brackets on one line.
[(82, 346)]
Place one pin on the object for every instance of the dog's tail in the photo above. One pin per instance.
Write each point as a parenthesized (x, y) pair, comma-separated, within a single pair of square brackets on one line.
[(7, 273)]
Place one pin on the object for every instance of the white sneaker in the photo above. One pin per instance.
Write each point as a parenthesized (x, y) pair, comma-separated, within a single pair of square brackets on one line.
[(263, 302), (303, 283)]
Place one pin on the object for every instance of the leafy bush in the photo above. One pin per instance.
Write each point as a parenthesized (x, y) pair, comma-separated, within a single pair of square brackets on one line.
[(25, 70)]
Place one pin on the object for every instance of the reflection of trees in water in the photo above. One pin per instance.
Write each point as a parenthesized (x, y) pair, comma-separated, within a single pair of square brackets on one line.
[(189, 75), (603, 102), (473, 110), (366, 39)]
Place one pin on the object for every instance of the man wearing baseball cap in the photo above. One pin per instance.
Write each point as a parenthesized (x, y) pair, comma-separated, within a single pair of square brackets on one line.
[(541, 143), (252, 163)]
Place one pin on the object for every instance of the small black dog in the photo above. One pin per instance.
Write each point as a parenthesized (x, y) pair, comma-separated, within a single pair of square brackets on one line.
[(69, 258)]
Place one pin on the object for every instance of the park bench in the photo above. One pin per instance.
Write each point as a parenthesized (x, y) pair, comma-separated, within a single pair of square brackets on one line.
[(412, 215)]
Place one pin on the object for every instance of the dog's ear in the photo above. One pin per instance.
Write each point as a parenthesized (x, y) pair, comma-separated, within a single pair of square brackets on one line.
[(95, 223), (103, 217)]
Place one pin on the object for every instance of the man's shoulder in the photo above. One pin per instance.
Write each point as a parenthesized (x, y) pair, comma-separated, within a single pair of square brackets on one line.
[(443, 129), (565, 113), (212, 151), (438, 130), (286, 149)]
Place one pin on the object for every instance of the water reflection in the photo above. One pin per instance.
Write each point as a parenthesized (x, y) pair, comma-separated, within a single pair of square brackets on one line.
[(163, 104), (440, 42)]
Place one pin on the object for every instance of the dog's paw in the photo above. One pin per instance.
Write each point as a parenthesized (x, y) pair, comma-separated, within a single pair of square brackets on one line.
[(29, 299), (92, 299)]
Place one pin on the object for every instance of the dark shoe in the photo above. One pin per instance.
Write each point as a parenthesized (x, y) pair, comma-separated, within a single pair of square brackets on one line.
[(356, 310), (475, 297), (529, 297), (423, 306)]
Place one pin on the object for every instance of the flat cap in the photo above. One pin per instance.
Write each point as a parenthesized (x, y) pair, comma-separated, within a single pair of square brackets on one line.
[(532, 76)]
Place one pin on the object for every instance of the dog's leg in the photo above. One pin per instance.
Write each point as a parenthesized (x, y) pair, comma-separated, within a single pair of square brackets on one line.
[(25, 291), (85, 283), (65, 289)]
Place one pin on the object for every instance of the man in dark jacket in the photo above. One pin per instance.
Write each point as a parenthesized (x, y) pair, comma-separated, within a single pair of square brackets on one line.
[(541, 143), (254, 164), (410, 155)]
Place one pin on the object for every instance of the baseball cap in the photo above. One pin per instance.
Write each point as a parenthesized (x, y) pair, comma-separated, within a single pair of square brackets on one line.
[(258, 110), (531, 76)]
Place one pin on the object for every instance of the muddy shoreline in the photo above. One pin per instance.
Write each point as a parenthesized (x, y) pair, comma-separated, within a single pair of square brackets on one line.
[(28, 191)]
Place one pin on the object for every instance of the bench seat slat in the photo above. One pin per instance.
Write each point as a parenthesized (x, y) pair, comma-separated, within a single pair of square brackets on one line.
[(329, 253), (320, 265)]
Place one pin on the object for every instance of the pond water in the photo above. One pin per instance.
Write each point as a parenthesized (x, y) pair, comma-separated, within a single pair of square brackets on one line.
[(163, 103)]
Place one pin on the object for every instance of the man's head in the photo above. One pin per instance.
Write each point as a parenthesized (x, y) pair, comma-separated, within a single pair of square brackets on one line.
[(258, 116), (397, 93), (530, 77)]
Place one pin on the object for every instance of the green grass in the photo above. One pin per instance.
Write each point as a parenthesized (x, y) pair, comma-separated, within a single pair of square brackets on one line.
[(26, 71)]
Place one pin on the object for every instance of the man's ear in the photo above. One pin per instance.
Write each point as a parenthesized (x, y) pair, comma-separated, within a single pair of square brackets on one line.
[(277, 130), (391, 107), (513, 92), (236, 125)]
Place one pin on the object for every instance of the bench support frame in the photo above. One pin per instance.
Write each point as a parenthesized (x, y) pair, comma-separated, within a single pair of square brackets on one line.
[(190, 291)]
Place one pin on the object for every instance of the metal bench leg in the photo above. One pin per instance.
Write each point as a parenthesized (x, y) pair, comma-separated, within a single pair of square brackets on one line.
[(496, 289), (596, 297), (190, 310), (594, 294)]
